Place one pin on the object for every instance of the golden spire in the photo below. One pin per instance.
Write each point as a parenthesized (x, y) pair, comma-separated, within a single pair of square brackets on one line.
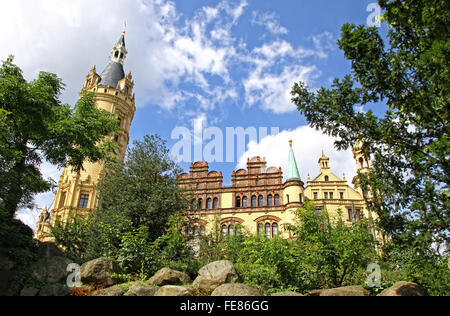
[(290, 143)]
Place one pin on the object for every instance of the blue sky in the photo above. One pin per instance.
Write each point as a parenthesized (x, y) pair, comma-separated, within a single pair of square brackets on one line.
[(196, 63)]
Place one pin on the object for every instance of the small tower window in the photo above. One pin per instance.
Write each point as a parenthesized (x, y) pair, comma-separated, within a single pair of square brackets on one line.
[(269, 200), (253, 201), (216, 203), (121, 55), (238, 201), (260, 201), (116, 54), (327, 179), (277, 200)]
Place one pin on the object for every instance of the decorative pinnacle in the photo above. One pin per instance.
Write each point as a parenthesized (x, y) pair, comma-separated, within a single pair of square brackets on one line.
[(125, 28), (290, 143)]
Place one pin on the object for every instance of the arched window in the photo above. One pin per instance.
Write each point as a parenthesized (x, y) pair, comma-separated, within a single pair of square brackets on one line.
[(268, 230), (200, 202), (260, 201), (209, 204), (244, 201), (277, 200), (224, 230), (195, 230), (254, 201), (238, 201), (216, 203), (269, 200), (260, 229), (194, 205), (116, 54), (327, 178), (231, 230), (274, 229), (121, 55)]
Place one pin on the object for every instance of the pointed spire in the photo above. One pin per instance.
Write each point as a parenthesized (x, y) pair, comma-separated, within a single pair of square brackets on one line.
[(292, 170), (114, 72)]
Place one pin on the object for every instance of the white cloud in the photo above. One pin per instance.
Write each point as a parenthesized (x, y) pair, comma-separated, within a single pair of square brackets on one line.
[(308, 145), (270, 22)]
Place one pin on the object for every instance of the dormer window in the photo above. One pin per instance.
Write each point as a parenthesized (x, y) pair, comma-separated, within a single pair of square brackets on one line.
[(116, 54)]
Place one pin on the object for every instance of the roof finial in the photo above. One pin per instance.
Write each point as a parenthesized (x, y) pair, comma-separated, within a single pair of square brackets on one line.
[(290, 143), (124, 28)]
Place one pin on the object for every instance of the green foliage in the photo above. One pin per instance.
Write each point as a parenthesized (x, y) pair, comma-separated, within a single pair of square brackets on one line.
[(410, 144), (35, 125)]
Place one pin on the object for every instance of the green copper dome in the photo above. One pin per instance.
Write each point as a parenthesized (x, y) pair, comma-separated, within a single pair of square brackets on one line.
[(292, 169)]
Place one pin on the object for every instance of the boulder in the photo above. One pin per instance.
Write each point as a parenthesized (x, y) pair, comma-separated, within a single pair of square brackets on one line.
[(29, 291), (235, 289), (99, 271), (51, 270), (174, 290), (54, 290), (205, 285), (141, 289), (354, 290), (10, 283), (111, 291), (287, 293), (167, 276), (403, 288), (220, 271)]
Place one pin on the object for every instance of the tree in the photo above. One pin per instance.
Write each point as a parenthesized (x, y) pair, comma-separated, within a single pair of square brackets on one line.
[(410, 145), (143, 189), (35, 125)]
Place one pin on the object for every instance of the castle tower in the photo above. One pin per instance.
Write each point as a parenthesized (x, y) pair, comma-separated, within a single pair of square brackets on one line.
[(362, 166), (77, 191), (293, 195)]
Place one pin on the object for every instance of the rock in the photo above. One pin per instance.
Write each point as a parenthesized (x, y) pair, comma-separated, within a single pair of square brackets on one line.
[(29, 291), (51, 270), (54, 290), (315, 292), (48, 249), (10, 284), (235, 289), (221, 271), (167, 276), (205, 285), (5, 263), (174, 290), (403, 288), (287, 293), (354, 290), (141, 289), (99, 271), (111, 291)]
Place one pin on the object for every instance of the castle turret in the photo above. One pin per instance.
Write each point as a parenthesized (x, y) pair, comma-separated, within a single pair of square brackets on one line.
[(363, 166), (293, 187), (77, 191)]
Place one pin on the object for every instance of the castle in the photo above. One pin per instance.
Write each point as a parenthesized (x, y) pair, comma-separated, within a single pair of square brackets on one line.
[(77, 193), (258, 199), (260, 202)]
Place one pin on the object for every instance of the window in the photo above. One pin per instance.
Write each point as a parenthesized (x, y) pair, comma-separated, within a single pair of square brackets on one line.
[(260, 229), (342, 195), (209, 204), (327, 179), (200, 202), (260, 201), (62, 199), (231, 230), (119, 119), (354, 217), (224, 230), (300, 198), (315, 195), (84, 199), (121, 55), (195, 230), (238, 201), (268, 231), (331, 195), (256, 182), (198, 186), (116, 54), (194, 205), (277, 200), (253, 201), (269, 200), (216, 203), (202, 230), (244, 201), (325, 195), (274, 229)]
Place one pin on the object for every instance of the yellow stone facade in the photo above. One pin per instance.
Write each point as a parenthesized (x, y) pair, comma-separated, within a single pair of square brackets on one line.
[(77, 191), (270, 202)]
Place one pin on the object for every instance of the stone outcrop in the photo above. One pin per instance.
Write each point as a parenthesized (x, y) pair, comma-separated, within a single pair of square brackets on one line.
[(220, 271), (205, 285), (116, 290), (29, 291), (50, 270), (174, 290), (235, 289), (141, 289), (354, 290), (168, 276), (99, 271), (287, 293), (404, 289)]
